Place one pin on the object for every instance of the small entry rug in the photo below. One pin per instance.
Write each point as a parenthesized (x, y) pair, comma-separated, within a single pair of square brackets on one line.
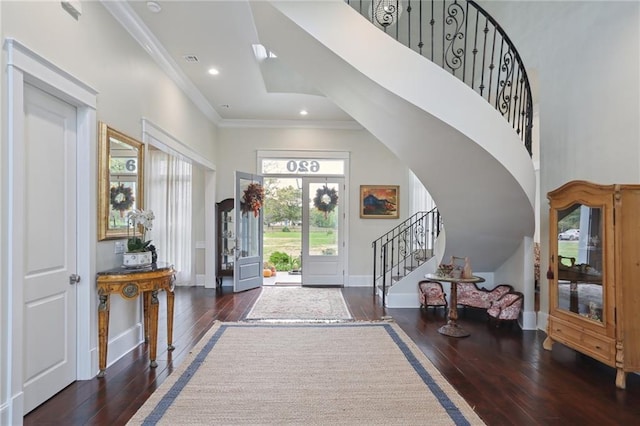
[(299, 304), (351, 373)]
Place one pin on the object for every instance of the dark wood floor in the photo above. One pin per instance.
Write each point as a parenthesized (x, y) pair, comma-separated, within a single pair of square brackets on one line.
[(503, 373)]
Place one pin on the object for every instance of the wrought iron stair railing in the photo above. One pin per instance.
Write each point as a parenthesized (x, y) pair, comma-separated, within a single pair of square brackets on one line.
[(462, 38), (404, 248)]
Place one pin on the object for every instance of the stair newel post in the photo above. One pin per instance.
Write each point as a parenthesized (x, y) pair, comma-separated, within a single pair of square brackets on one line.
[(384, 276), (407, 249), (375, 260), (412, 243), (432, 230), (393, 253), (385, 267)]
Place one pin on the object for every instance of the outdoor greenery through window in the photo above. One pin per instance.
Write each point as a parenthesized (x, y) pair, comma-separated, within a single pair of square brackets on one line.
[(304, 201), (283, 225)]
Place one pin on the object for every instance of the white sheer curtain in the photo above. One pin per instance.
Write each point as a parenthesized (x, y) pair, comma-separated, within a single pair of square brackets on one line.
[(169, 196), (419, 198)]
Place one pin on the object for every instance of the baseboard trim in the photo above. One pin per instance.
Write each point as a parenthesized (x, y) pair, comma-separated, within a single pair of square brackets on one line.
[(402, 300), (124, 343), (543, 321), (529, 320), (11, 412), (359, 281), (200, 280)]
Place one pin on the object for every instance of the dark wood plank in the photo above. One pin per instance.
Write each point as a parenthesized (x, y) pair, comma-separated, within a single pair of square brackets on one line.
[(502, 372)]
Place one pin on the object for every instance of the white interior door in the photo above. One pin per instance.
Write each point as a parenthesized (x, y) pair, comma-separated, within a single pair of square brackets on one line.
[(49, 246), (247, 271), (323, 231)]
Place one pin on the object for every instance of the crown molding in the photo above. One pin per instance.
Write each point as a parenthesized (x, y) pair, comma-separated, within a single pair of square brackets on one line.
[(130, 21)]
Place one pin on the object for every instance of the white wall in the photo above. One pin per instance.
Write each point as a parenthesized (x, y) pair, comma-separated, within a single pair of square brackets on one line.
[(99, 52), (4, 295), (96, 50), (371, 163), (587, 59)]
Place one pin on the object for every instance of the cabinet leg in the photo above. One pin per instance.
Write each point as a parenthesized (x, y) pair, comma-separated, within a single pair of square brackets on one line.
[(621, 379), (547, 344)]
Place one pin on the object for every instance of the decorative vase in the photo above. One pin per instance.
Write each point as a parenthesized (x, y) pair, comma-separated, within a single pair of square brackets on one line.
[(137, 259), (467, 272)]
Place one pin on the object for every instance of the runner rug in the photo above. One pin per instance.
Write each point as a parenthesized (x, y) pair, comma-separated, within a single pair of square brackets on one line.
[(299, 304), (350, 373)]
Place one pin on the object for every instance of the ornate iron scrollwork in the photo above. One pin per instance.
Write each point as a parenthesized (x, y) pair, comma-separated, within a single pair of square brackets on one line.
[(454, 55), (462, 38), (504, 98), (386, 12)]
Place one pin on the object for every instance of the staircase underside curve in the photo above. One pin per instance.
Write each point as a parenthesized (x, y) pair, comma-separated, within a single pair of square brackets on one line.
[(467, 156)]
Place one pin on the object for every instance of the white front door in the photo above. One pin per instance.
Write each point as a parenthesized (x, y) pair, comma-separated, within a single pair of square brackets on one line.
[(323, 241), (247, 271), (49, 246)]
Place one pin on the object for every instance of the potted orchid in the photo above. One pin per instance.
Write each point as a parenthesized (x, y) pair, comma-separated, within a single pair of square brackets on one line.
[(139, 250)]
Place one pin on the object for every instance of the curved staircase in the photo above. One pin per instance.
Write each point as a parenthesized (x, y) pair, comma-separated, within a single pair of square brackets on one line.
[(468, 157)]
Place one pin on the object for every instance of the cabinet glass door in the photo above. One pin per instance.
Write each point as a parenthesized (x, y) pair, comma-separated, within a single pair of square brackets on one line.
[(580, 261), (227, 239)]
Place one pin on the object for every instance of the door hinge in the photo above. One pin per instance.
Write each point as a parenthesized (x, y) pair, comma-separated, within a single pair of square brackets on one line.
[(74, 279)]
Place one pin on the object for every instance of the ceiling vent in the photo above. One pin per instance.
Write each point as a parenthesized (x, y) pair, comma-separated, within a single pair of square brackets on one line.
[(190, 58)]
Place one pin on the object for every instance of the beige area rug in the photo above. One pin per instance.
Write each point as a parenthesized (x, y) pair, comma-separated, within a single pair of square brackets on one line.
[(353, 373), (299, 304)]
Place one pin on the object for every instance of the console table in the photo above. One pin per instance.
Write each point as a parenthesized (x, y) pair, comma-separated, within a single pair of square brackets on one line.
[(130, 283)]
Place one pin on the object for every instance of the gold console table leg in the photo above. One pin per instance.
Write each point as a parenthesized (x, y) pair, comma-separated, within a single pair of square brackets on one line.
[(170, 301), (153, 328), (103, 333)]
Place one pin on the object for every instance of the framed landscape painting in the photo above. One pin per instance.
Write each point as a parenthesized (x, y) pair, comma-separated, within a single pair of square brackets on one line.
[(379, 201)]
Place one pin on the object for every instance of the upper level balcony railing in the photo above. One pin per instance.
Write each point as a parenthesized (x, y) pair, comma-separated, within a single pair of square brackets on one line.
[(465, 40)]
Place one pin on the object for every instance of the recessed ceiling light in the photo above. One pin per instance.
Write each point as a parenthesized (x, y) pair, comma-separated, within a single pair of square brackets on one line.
[(304, 112), (154, 6), (213, 71)]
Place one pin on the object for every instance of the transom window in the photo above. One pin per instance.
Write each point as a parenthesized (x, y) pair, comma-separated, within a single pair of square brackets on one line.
[(302, 166)]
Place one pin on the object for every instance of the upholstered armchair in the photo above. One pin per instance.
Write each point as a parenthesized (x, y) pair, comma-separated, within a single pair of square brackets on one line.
[(507, 308), (431, 294), (470, 295)]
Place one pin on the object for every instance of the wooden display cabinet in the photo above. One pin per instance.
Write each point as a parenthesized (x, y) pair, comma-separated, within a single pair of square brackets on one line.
[(594, 292), (225, 240)]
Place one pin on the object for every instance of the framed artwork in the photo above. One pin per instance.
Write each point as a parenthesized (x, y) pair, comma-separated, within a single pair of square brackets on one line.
[(379, 201)]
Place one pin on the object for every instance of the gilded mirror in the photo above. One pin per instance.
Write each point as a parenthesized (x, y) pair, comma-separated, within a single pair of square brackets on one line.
[(120, 181)]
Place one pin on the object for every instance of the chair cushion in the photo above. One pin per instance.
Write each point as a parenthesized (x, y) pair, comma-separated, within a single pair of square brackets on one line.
[(507, 307), (470, 295), (431, 294)]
